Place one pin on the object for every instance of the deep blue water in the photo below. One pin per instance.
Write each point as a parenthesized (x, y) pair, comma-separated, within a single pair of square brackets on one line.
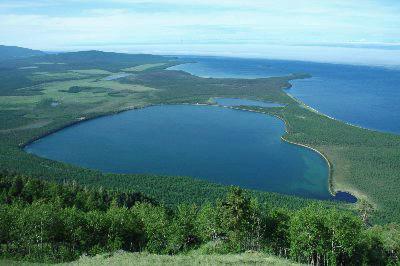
[(213, 143), (361, 95), (238, 102)]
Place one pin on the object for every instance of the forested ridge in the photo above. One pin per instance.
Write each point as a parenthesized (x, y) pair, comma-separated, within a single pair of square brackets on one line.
[(51, 222), (13, 52)]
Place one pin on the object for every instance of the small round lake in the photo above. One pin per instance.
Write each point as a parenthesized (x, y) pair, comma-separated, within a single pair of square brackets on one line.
[(217, 144)]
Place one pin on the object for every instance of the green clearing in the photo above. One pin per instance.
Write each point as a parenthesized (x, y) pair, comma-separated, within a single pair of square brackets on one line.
[(92, 71), (47, 76), (61, 91), (142, 67), (125, 258), (365, 163)]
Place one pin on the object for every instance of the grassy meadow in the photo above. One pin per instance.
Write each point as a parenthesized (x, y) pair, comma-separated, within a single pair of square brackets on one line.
[(146, 259), (143, 67)]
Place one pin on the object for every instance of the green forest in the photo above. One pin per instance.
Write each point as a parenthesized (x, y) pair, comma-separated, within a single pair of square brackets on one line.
[(51, 222)]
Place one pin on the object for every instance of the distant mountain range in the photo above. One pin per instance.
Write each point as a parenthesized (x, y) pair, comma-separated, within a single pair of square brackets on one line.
[(13, 52)]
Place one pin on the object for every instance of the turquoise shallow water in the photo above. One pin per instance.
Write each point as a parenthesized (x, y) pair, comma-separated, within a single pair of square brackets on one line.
[(213, 143)]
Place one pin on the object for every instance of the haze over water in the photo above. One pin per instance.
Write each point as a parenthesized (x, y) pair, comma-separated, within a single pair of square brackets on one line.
[(361, 95)]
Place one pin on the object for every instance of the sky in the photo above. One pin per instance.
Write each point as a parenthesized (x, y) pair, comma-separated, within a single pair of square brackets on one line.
[(363, 31)]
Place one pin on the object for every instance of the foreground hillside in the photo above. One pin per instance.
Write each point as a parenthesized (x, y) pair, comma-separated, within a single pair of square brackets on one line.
[(49, 222)]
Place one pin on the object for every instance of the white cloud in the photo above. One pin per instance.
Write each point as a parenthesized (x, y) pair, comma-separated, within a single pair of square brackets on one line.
[(64, 24)]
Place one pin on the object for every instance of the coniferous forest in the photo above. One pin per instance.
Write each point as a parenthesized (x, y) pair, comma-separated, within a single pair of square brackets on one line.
[(51, 222)]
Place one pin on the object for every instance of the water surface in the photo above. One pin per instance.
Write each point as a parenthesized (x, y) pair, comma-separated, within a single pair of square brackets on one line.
[(217, 144), (361, 95)]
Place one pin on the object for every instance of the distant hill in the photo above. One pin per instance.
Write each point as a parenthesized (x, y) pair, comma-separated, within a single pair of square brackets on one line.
[(100, 57), (85, 60), (13, 52)]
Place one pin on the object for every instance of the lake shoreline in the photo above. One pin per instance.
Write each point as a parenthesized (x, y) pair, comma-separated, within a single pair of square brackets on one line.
[(131, 108), (331, 189), (331, 178)]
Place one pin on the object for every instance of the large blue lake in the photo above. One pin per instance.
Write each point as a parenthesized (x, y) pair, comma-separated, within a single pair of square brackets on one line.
[(213, 143), (361, 95)]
